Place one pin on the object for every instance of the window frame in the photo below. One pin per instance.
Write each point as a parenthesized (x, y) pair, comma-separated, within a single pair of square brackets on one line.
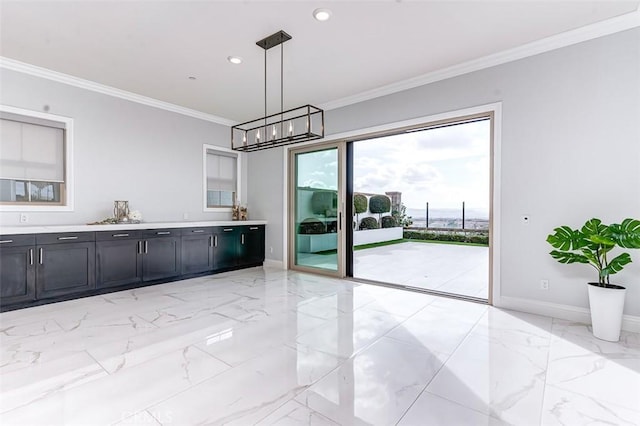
[(227, 152), (67, 193)]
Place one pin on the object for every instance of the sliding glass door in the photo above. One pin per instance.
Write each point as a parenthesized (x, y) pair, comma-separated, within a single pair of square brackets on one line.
[(316, 209)]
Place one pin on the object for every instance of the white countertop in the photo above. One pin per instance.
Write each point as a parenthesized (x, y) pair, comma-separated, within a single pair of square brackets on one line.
[(14, 230)]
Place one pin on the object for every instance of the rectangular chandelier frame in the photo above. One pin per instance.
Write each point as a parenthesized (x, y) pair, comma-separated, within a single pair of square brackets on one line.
[(300, 124)]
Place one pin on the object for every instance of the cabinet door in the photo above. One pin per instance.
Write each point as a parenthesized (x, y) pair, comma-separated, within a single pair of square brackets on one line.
[(197, 254), (251, 246), (64, 269), (161, 258), (118, 263), (17, 275), (225, 254)]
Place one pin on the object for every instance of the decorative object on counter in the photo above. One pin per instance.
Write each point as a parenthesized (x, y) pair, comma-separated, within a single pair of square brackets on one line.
[(121, 211), (135, 216), (243, 213), (107, 221), (239, 213)]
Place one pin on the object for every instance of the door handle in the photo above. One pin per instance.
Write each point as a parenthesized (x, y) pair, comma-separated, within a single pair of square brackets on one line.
[(340, 221), (30, 256), (40, 256)]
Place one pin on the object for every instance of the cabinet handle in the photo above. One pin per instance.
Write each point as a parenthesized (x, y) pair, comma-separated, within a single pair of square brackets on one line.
[(253, 228), (31, 256), (227, 229), (40, 256), (6, 241), (242, 239), (120, 235), (67, 238), (163, 233), (146, 246), (139, 247), (210, 240), (215, 241), (198, 231)]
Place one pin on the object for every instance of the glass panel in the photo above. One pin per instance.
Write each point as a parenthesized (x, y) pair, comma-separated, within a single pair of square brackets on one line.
[(25, 191), (316, 209), (421, 208)]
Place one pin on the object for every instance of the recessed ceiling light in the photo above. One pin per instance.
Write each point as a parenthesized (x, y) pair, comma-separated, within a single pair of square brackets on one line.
[(322, 14), (234, 59)]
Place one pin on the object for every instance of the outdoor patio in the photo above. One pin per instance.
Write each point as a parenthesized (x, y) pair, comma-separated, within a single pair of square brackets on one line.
[(450, 268)]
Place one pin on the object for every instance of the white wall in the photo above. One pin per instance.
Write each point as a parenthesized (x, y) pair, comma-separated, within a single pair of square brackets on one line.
[(122, 151), (570, 151)]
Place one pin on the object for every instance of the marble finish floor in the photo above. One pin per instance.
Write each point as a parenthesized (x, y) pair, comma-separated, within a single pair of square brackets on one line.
[(267, 347)]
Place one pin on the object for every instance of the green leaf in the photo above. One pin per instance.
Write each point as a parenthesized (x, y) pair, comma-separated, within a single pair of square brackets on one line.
[(568, 257), (616, 264), (565, 238), (593, 227), (626, 234)]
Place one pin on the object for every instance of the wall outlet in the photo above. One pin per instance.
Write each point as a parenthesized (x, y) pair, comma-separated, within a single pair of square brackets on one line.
[(544, 284), (24, 218)]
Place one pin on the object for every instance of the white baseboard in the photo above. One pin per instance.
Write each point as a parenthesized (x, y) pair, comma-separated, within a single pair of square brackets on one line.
[(274, 264), (567, 312)]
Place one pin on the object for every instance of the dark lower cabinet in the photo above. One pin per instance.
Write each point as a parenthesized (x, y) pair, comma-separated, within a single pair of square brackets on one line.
[(225, 252), (55, 266), (17, 269), (65, 268), (118, 261), (251, 249), (161, 256), (238, 246)]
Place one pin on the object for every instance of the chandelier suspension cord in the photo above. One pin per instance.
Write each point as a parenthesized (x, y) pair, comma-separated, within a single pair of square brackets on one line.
[(265, 94), (281, 87)]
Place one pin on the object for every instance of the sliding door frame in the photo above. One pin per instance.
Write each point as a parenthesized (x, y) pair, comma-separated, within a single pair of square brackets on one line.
[(495, 109)]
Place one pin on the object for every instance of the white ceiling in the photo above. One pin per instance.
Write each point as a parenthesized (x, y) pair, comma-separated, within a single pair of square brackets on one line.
[(152, 47)]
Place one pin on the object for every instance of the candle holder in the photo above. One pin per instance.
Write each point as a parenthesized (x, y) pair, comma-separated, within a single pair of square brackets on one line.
[(121, 211)]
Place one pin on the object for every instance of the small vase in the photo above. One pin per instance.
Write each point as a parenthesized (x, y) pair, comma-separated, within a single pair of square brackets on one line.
[(607, 306)]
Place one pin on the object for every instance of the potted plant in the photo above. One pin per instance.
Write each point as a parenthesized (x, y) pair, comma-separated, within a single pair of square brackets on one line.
[(592, 245)]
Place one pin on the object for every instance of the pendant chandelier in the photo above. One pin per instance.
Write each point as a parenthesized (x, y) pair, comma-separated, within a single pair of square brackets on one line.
[(296, 125)]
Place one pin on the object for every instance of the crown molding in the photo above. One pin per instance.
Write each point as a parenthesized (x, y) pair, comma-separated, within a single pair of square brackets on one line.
[(12, 64), (579, 35)]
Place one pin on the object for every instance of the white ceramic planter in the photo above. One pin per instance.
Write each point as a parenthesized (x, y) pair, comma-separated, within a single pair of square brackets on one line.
[(607, 305)]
